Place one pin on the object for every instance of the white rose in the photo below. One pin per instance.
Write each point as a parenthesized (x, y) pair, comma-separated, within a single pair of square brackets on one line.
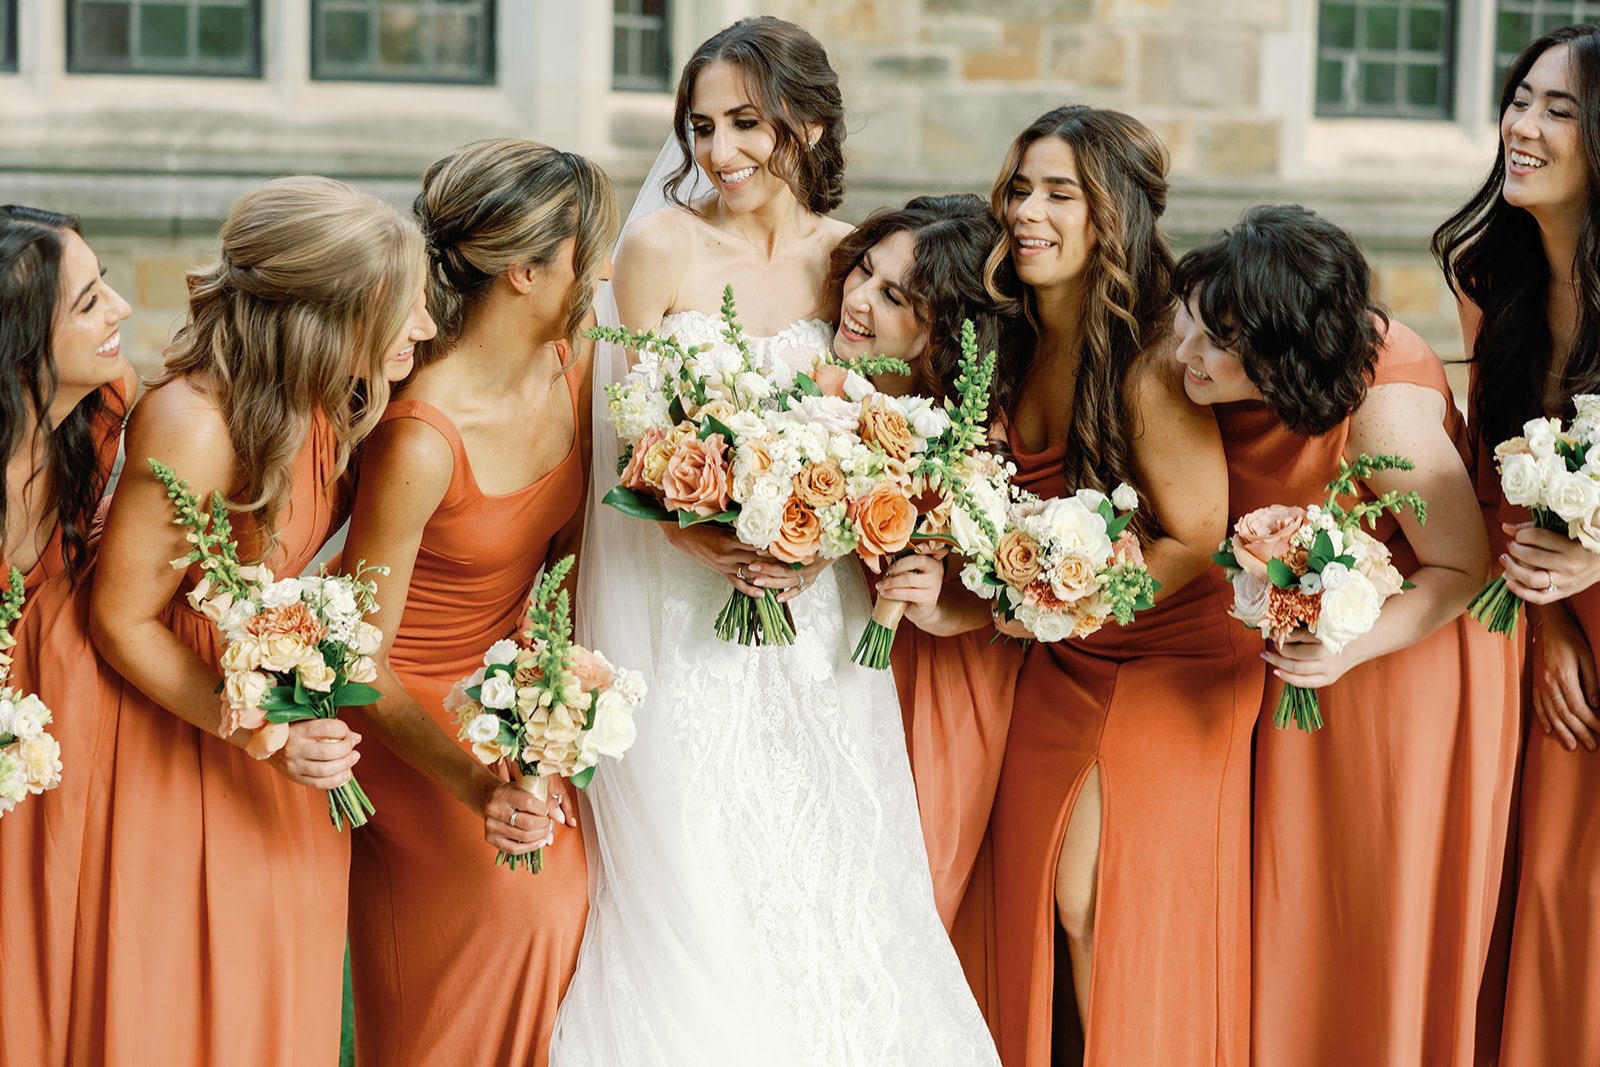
[(925, 418), (970, 536), (1048, 626), (483, 729), (1541, 435), (613, 731), (29, 718), (498, 693), (857, 387), (1250, 596), (1074, 528), (501, 653), (745, 425), (752, 386), (1573, 495), (1348, 610), (368, 639), (282, 593), (1334, 575), (1585, 530), (1521, 479), (1091, 498), (1125, 498), (8, 712), (761, 514), (40, 758), (1551, 470)]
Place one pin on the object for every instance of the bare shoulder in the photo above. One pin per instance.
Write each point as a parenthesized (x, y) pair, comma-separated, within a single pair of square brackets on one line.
[(409, 450), (833, 231), (181, 424), (661, 239), (1155, 384)]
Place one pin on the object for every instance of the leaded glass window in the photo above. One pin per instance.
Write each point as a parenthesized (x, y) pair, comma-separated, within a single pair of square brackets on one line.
[(1386, 60), (641, 54), (403, 40), (209, 37)]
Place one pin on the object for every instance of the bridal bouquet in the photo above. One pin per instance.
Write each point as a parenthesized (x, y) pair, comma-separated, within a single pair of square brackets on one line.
[(548, 707), (1555, 471), (1316, 567), (1063, 567), (30, 759), (801, 469), (294, 649)]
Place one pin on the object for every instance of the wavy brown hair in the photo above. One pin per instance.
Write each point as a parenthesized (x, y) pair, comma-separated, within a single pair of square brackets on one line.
[(498, 204), (1127, 306), (313, 283), (793, 86), (951, 239)]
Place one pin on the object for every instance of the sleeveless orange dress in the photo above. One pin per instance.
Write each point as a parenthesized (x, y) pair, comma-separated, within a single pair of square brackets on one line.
[(43, 861), (1378, 839), (220, 933), (456, 960), (1165, 708)]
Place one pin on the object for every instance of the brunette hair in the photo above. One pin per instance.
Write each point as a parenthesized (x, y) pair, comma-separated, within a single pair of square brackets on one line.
[(792, 85), (314, 281), (1492, 254), (496, 204), (951, 238), (1290, 293), (1127, 306), (32, 247)]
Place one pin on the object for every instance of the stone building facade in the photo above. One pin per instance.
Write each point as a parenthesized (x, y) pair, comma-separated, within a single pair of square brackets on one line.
[(1257, 100)]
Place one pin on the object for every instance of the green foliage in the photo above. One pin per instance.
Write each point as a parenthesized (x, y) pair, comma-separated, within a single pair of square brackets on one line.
[(210, 532), (1369, 511), (550, 628)]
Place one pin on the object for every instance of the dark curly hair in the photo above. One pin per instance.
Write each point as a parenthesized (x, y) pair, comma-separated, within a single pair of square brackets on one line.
[(31, 251), (1127, 305), (791, 83), (951, 238), (1290, 293), (1492, 254)]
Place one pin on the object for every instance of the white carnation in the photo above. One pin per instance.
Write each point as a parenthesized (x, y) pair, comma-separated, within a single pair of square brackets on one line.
[(501, 653)]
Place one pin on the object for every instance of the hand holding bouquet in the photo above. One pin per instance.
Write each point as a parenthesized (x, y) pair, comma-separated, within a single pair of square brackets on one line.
[(294, 649), (30, 759), (1555, 471), (1316, 567), (1063, 567), (550, 707)]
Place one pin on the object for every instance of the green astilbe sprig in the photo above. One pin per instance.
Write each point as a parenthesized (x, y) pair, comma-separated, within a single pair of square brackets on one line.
[(1369, 511), (209, 531), (550, 628), (732, 332)]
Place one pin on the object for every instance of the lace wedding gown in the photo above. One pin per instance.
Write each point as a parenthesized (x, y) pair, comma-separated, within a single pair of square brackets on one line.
[(762, 892)]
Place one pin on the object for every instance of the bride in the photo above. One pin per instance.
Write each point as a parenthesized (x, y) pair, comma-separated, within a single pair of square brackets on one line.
[(762, 893)]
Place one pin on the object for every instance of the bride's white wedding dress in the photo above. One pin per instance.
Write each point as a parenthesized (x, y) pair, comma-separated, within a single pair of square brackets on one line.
[(761, 893)]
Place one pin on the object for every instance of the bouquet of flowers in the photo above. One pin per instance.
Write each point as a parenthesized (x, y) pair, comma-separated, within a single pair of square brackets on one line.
[(548, 707), (30, 759), (801, 469), (1555, 471), (1063, 567), (1316, 567), (294, 649), (952, 487)]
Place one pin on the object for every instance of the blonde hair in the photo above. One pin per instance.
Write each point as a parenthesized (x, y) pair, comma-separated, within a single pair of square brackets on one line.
[(493, 205), (314, 281)]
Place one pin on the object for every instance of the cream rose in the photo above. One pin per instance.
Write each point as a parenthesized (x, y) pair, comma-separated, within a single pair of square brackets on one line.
[(1521, 479), (1350, 607), (1573, 495), (243, 692), (362, 670), (613, 731), (1072, 578), (316, 675), (40, 759)]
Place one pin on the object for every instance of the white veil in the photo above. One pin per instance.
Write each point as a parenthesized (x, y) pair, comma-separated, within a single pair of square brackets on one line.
[(656, 938)]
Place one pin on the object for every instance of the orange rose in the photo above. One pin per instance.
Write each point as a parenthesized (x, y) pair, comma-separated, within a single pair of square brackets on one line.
[(696, 477), (884, 520), (820, 485), (1264, 535), (633, 474), (885, 427), (830, 379), (1016, 559), (799, 533)]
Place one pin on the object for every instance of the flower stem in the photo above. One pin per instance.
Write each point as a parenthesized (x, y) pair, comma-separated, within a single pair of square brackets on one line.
[(1497, 607), (1301, 706)]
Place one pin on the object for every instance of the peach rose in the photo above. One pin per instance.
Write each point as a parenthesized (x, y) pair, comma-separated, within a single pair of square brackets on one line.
[(1073, 578), (885, 427), (1016, 559), (884, 521), (633, 474), (592, 671), (820, 485), (242, 693), (316, 675), (799, 533), (696, 477), (1264, 534), (362, 670), (830, 379)]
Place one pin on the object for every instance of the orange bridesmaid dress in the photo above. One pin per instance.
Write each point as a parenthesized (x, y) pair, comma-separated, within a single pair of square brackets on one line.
[(43, 861), (221, 930), (1379, 839), (455, 960), (1165, 708)]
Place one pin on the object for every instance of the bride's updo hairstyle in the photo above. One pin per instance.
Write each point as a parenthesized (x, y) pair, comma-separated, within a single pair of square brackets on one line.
[(314, 281), (503, 203), (951, 238), (1290, 293), (792, 84)]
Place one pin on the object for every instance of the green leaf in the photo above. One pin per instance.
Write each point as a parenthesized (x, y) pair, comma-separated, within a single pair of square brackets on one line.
[(689, 518), (1226, 560), (354, 695), (1281, 575), (1321, 551), (583, 778), (807, 385), (635, 505), (293, 714), (475, 693), (675, 410), (1115, 526), (1407, 583), (715, 425), (498, 668), (1105, 511)]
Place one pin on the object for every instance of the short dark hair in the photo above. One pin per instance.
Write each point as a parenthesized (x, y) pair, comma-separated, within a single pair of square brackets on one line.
[(793, 85), (951, 238), (1290, 292)]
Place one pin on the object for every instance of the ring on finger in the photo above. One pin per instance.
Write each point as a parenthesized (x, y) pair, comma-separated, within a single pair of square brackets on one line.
[(514, 814), (1550, 582), (740, 574)]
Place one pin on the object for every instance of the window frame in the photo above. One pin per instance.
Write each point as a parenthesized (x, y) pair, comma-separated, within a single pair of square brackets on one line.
[(8, 37), (74, 63), (1452, 58), (668, 21), (491, 44)]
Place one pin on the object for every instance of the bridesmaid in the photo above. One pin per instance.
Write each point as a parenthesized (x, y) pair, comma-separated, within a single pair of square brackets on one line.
[(472, 481), (907, 278), (1521, 257), (1369, 945), (64, 390), (224, 924), (1123, 812)]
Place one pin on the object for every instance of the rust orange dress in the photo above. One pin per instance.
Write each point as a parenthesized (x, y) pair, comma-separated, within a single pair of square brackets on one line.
[(455, 960), (220, 935), (43, 862), (1165, 708), (1379, 839)]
